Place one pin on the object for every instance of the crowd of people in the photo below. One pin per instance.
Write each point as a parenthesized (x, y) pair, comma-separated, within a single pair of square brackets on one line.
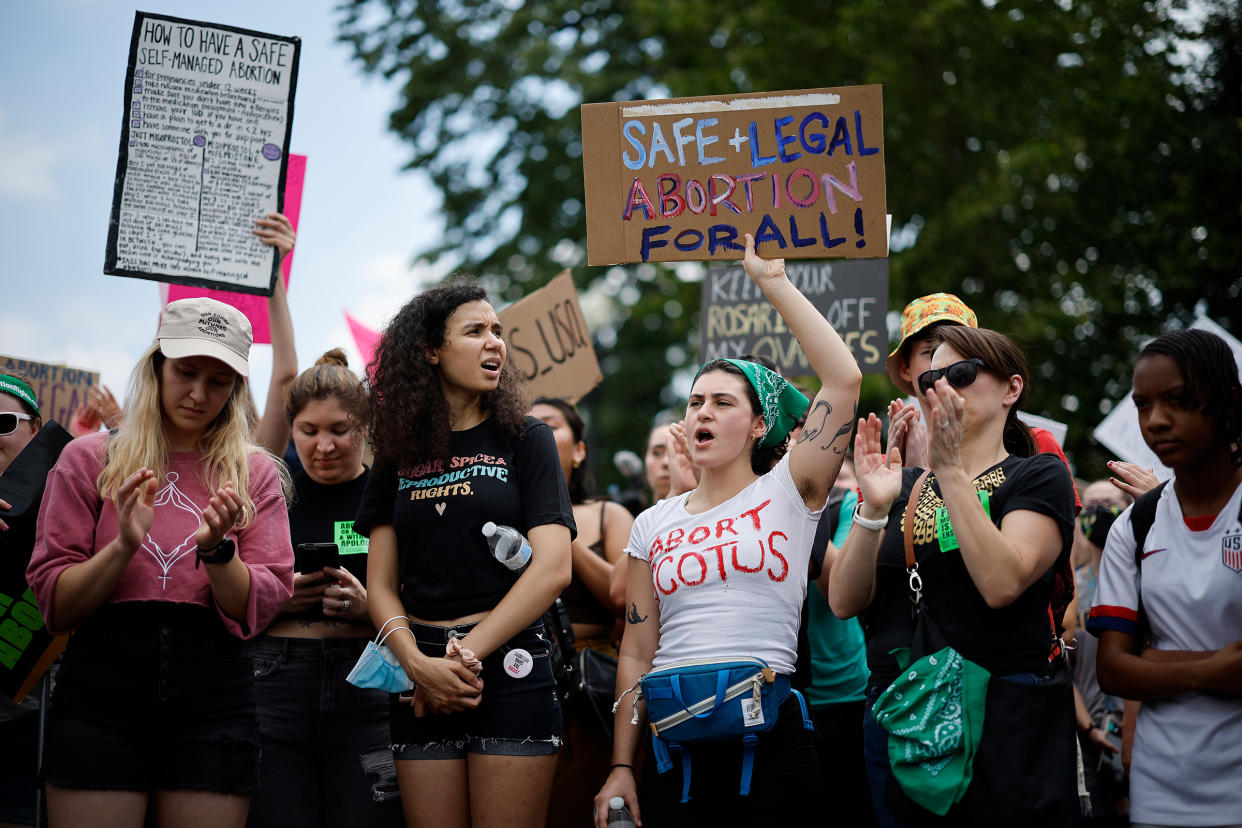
[(823, 616)]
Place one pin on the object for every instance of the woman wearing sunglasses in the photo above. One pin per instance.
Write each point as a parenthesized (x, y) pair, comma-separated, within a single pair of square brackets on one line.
[(162, 547), (990, 520)]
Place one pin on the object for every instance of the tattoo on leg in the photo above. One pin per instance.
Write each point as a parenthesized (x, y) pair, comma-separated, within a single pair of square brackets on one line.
[(633, 617)]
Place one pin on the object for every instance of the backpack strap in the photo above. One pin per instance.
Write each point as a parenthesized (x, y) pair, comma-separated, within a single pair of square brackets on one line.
[(1142, 516)]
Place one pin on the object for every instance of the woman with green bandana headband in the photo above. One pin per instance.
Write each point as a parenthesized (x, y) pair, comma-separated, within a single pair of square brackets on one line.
[(720, 571), (20, 417)]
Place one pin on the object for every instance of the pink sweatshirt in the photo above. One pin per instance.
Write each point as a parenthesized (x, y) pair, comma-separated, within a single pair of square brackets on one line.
[(74, 524)]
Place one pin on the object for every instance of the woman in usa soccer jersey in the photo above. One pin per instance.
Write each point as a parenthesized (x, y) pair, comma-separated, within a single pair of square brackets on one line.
[(1169, 615), (720, 571)]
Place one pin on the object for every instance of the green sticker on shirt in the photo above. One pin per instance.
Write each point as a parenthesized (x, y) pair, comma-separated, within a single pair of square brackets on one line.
[(944, 527), (347, 540)]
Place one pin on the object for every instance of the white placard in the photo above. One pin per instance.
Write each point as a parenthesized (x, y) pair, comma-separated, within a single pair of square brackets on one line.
[(203, 154)]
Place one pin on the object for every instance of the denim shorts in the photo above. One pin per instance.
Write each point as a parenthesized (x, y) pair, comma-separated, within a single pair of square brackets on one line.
[(515, 717), (153, 696)]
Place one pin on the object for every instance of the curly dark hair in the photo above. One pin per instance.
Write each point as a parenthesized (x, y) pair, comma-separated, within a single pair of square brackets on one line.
[(412, 421), (762, 460), (1211, 376)]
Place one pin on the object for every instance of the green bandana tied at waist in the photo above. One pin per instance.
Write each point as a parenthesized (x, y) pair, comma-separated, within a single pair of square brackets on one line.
[(16, 388), (934, 717), (782, 404)]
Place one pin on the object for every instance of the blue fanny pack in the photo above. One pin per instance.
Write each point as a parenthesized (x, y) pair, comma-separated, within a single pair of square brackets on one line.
[(704, 700)]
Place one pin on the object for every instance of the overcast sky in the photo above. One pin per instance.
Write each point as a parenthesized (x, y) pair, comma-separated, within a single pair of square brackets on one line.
[(61, 103)]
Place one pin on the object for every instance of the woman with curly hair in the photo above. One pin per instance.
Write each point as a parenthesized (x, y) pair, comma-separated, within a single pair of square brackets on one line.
[(163, 547), (478, 738)]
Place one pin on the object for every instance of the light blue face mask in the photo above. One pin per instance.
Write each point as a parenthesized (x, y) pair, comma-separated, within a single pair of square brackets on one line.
[(378, 668)]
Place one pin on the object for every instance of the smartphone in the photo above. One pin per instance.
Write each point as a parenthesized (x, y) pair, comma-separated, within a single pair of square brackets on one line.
[(313, 557)]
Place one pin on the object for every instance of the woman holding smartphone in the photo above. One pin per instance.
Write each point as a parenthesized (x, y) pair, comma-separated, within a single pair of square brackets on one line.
[(162, 547), (455, 449), (314, 727)]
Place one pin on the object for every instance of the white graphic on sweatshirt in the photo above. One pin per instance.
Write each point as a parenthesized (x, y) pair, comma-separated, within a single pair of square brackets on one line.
[(170, 494)]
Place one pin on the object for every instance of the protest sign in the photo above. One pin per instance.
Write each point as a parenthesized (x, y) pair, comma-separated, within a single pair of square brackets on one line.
[(1119, 431), (852, 295), (255, 307), (549, 342), (58, 388), (685, 179), (204, 152)]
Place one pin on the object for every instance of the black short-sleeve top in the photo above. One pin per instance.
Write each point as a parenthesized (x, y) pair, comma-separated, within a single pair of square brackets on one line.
[(1012, 639), (321, 513), (438, 509)]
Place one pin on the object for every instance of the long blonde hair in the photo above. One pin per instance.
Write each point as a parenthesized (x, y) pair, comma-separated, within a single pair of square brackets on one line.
[(142, 442)]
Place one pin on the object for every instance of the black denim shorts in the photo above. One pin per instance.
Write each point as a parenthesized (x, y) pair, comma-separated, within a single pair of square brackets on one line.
[(154, 696), (516, 716)]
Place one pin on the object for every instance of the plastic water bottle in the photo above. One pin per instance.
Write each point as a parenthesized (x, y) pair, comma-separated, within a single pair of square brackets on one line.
[(507, 545), (619, 816)]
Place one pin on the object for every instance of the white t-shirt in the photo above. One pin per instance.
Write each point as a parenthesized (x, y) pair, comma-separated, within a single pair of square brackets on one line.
[(730, 581), (1188, 748)]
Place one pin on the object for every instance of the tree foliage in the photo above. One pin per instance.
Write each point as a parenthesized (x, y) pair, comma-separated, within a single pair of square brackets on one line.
[(1069, 168)]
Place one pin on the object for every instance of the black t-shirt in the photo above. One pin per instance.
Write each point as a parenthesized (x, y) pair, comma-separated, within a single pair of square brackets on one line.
[(438, 510), (1012, 639), (325, 514)]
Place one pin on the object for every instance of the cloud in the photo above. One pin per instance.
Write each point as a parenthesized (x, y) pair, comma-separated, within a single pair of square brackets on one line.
[(30, 163)]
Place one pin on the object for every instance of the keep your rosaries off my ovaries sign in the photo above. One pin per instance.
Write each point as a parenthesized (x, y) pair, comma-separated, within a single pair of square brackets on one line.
[(686, 179)]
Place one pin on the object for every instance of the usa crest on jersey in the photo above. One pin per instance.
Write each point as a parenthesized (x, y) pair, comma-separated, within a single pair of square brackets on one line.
[(1231, 550)]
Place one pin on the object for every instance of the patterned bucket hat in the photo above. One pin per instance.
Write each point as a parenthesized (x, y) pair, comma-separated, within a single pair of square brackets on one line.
[(924, 311)]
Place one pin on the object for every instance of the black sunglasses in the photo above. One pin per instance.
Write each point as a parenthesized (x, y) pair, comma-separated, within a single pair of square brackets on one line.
[(959, 374), (9, 421)]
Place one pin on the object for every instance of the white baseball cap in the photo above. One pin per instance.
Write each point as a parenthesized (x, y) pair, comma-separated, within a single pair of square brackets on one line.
[(206, 327)]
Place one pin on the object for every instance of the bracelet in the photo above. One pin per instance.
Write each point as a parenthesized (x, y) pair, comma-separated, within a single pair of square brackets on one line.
[(874, 524), (620, 765)]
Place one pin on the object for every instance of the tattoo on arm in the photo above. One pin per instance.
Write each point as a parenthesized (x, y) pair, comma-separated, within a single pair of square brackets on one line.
[(809, 432), (633, 617)]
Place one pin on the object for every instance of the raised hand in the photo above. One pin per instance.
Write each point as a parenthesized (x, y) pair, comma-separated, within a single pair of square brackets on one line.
[(944, 432), (879, 474), (135, 508), (276, 230), (681, 472), (223, 510), (761, 270), (907, 434), (1132, 478)]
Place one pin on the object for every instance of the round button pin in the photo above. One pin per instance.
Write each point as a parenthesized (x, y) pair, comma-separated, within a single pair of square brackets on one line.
[(518, 663)]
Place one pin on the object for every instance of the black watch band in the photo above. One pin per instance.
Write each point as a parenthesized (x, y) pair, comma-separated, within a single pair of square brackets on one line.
[(221, 553)]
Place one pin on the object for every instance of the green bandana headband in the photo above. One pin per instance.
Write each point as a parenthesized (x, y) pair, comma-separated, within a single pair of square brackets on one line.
[(782, 404), (15, 387)]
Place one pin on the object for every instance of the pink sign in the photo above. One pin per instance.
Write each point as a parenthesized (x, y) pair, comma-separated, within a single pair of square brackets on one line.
[(255, 307), (365, 338)]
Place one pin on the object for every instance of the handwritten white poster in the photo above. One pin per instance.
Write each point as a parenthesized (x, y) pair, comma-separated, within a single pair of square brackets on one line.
[(204, 152)]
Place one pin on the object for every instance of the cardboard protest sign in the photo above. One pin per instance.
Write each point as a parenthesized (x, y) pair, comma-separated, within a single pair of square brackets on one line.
[(204, 152), (58, 388), (1119, 432), (255, 307), (736, 319), (549, 341), (685, 179)]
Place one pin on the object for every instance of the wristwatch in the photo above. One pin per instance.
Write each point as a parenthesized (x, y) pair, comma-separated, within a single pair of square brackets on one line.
[(221, 553)]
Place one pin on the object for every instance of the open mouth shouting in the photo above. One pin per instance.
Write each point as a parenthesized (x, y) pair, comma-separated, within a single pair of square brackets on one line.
[(703, 437), (492, 367)]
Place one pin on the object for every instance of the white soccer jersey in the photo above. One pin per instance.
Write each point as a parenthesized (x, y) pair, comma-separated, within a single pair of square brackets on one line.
[(1188, 748)]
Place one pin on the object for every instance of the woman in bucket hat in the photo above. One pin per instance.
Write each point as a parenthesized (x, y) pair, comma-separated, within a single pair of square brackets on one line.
[(162, 547)]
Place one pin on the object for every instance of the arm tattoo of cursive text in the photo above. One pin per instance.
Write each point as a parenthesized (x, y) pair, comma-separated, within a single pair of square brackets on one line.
[(633, 617)]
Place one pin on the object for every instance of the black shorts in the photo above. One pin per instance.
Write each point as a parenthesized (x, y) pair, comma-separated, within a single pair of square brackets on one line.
[(154, 696), (516, 716)]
